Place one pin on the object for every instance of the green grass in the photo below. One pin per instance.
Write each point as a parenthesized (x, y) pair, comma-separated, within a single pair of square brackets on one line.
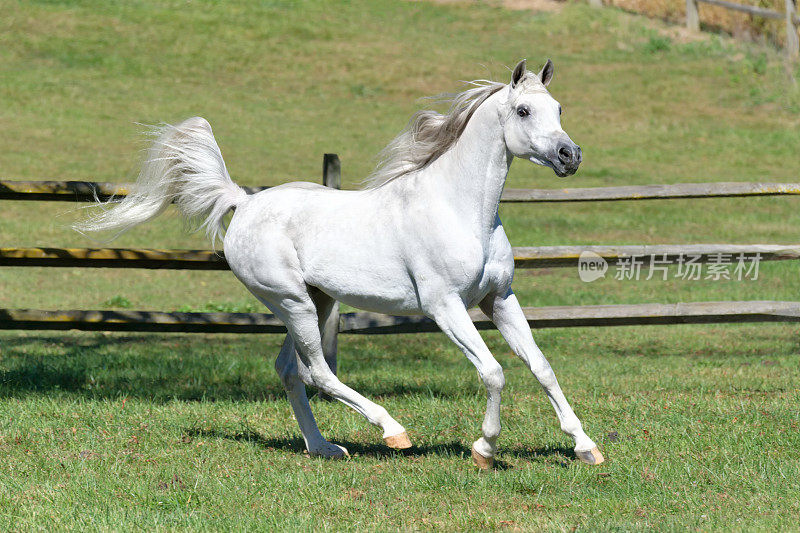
[(117, 432), (699, 426)]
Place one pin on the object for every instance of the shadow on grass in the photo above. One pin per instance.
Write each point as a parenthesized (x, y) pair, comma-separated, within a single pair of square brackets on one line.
[(152, 367), (165, 367), (381, 452), (173, 367)]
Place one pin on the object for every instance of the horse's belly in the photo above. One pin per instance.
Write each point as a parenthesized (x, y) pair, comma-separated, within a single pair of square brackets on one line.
[(390, 304), (372, 289)]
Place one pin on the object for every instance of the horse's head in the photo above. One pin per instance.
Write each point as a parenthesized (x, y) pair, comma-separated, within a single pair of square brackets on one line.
[(532, 122)]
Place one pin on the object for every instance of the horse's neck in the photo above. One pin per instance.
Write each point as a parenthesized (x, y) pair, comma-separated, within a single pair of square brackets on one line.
[(473, 172)]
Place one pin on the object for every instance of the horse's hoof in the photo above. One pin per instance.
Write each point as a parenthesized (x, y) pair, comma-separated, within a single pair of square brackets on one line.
[(590, 457), (484, 463), (399, 441), (329, 450)]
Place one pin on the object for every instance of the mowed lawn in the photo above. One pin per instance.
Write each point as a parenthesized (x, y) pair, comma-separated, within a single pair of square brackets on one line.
[(699, 424)]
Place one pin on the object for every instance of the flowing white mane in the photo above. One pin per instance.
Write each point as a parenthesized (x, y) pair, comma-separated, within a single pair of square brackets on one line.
[(429, 134)]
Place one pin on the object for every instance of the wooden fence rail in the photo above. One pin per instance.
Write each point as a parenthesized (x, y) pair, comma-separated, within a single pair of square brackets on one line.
[(524, 257), (70, 191), (84, 191), (651, 192), (363, 322), (375, 323), (750, 10)]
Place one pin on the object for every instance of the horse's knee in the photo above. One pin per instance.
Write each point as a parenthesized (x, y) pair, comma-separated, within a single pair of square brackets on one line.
[(305, 377), (493, 377), (547, 379), (301, 373), (293, 372)]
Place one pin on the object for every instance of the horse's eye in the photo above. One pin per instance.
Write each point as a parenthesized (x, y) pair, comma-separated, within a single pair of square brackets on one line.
[(559, 111), (523, 111)]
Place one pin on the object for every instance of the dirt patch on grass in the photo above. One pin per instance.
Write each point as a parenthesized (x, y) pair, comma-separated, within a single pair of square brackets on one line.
[(681, 34), (534, 5), (550, 6)]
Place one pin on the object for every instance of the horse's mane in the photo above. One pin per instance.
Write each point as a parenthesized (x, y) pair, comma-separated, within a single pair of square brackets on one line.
[(429, 134)]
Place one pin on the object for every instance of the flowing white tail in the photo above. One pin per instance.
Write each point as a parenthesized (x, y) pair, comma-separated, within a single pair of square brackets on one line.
[(183, 165)]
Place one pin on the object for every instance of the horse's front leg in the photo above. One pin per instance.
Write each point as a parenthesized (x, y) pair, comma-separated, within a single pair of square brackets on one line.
[(454, 320), (507, 315)]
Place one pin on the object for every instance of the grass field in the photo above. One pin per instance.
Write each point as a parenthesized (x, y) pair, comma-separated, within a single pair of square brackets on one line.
[(699, 424)]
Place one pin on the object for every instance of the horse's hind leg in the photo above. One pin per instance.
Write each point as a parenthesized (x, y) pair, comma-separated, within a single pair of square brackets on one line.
[(298, 311), (286, 366)]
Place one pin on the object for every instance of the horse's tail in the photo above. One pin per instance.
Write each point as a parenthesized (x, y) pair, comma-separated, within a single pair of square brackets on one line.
[(184, 165)]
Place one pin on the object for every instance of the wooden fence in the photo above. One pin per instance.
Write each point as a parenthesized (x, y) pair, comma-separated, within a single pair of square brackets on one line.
[(789, 14), (372, 323)]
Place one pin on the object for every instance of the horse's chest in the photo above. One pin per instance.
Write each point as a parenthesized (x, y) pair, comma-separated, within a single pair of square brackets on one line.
[(473, 267), (495, 276), (497, 273), (474, 275)]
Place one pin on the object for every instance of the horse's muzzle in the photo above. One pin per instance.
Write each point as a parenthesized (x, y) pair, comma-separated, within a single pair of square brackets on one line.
[(568, 158)]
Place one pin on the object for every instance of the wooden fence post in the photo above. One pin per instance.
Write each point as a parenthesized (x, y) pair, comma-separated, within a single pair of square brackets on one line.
[(332, 171), (693, 16), (792, 41), (331, 177)]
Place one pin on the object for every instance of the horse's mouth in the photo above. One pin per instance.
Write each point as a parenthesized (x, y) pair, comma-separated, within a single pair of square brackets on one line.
[(561, 170), (564, 172)]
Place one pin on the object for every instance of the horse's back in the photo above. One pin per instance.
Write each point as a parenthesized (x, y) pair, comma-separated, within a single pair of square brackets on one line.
[(339, 241)]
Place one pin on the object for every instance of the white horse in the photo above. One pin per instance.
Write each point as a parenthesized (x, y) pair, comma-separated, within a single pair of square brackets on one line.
[(424, 237)]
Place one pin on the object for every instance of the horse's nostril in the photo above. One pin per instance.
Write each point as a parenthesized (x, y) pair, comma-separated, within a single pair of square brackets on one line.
[(564, 154)]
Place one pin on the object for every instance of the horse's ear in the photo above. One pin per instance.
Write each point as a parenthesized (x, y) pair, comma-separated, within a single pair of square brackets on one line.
[(518, 74), (547, 73)]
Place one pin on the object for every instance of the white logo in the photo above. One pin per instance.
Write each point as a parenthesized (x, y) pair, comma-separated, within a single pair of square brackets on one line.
[(591, 266)]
